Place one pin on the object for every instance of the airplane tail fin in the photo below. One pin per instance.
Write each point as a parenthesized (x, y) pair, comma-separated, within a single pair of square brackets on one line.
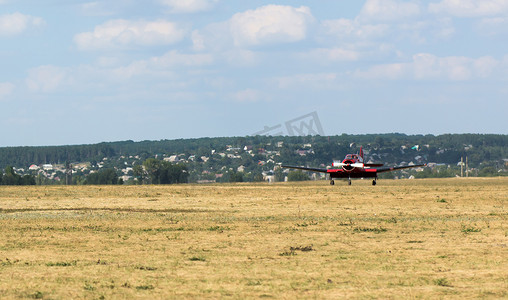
[(361, 152)]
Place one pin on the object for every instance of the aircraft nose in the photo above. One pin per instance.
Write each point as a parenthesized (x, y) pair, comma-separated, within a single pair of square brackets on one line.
[(347, 166)]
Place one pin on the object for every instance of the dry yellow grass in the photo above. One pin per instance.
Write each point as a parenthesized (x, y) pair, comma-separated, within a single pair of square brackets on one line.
[(399, 239)]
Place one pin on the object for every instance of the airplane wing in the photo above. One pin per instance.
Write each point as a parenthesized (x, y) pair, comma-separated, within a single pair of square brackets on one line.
[(389, 169), (373, 165), (306, 169)]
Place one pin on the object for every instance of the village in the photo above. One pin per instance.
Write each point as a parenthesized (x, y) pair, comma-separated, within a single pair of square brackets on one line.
[(237, 163)]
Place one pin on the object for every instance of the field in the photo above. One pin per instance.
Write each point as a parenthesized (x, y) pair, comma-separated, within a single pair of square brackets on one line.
[(444, 238)]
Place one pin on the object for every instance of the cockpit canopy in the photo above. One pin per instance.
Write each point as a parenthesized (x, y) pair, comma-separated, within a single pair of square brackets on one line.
[(353, 157)]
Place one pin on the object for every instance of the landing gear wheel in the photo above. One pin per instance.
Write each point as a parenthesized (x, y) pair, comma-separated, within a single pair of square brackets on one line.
[(374, 182), (332, 182), (349, 182)]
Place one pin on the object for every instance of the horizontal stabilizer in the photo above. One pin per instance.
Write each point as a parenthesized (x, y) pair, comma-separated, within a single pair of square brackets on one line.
[(389, 169), (306, 169)]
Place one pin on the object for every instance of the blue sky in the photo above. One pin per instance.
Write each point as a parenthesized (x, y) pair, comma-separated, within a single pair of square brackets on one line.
[(76, 72)]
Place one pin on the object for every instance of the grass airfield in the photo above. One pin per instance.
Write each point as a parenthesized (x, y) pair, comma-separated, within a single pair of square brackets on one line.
[(431, 238)]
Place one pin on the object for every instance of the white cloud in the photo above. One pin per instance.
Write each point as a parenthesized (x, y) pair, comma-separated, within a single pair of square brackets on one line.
[(6, 88), (46, 78), (123, 33), (123, 73), (388, 10), (188, 6), (97, 9), (270, 24), (454, 68), (345, 28), (17, 23), (327, 55), (426, 66), (493, 26), (470, 8), (214, 37), (175, 58), (166, 66), (198, 40), (387, 21), (485, 66), (241, 57)]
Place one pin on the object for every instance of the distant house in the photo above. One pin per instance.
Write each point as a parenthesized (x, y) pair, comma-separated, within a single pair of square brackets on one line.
[(303, 152), (203, 181), (126, 171), (47, 167), (172, 158), (33, 168), (126, 178), (269, 178)]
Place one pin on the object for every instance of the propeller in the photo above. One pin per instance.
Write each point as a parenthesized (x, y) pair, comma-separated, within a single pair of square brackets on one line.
[(353, 165)]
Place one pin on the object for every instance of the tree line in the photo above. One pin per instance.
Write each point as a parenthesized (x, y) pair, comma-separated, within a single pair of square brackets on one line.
[(155, 171), (152, 171), (485, 151), (11, 178), (484, 147)]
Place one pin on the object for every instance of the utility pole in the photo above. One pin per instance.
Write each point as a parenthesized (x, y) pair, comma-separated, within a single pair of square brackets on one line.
[(461, 166), (467, 169), (68, 173)]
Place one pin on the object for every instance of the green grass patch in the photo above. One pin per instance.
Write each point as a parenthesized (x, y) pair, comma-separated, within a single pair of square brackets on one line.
[(470, 229), (442, 282), (197, 258), (145, 287), (370, 229), (61, 263)]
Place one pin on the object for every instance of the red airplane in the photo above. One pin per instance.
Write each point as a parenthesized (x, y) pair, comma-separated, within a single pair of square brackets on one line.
[(353, 166)]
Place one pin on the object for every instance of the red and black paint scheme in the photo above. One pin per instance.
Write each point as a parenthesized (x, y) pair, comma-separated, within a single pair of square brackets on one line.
[(353, 166)]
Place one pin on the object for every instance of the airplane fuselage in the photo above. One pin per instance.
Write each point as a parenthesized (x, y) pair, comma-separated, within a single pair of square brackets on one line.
[(352, 173)]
